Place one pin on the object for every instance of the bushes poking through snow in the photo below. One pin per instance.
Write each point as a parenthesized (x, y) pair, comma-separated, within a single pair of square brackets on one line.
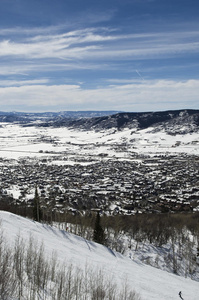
[(27, 274), (7, 278)]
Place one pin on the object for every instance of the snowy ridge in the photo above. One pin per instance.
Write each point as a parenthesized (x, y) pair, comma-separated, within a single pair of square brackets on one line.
[(173, 122), (149, 282)]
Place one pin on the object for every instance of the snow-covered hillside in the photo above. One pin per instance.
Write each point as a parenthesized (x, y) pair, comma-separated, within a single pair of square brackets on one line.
[(149, 282)]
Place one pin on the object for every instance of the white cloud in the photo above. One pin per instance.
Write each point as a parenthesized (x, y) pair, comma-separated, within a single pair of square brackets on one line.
[(138, 96)]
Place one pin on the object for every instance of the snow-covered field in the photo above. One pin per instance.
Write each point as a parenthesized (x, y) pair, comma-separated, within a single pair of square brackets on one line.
[(40, 142)]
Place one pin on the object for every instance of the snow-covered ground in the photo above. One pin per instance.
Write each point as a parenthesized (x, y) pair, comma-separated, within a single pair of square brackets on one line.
[(149, 282), (18, 141)]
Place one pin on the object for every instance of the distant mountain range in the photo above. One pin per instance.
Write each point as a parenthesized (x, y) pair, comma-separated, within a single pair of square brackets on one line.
[(24, 117), (172, 121)]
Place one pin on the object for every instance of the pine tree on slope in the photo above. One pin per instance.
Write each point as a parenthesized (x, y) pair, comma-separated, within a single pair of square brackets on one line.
[(98, 235)]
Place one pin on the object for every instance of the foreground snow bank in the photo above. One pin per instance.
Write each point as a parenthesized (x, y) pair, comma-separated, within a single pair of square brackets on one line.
[(149, 282)]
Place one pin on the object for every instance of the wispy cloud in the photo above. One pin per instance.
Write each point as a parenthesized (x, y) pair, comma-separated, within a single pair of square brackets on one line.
[(15, 83), (95, 43), (19, 31)]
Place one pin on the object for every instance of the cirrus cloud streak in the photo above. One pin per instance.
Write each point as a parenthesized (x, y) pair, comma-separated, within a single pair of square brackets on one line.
[(100, 43)]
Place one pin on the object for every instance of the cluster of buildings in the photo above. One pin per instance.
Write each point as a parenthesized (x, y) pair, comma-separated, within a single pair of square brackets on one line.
[(140, 184)]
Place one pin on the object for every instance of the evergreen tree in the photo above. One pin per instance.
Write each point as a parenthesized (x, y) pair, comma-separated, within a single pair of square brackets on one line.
[(36, 207), (98, 235)]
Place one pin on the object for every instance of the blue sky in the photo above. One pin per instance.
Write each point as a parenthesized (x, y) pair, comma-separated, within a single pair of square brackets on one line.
[(128, 55)]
